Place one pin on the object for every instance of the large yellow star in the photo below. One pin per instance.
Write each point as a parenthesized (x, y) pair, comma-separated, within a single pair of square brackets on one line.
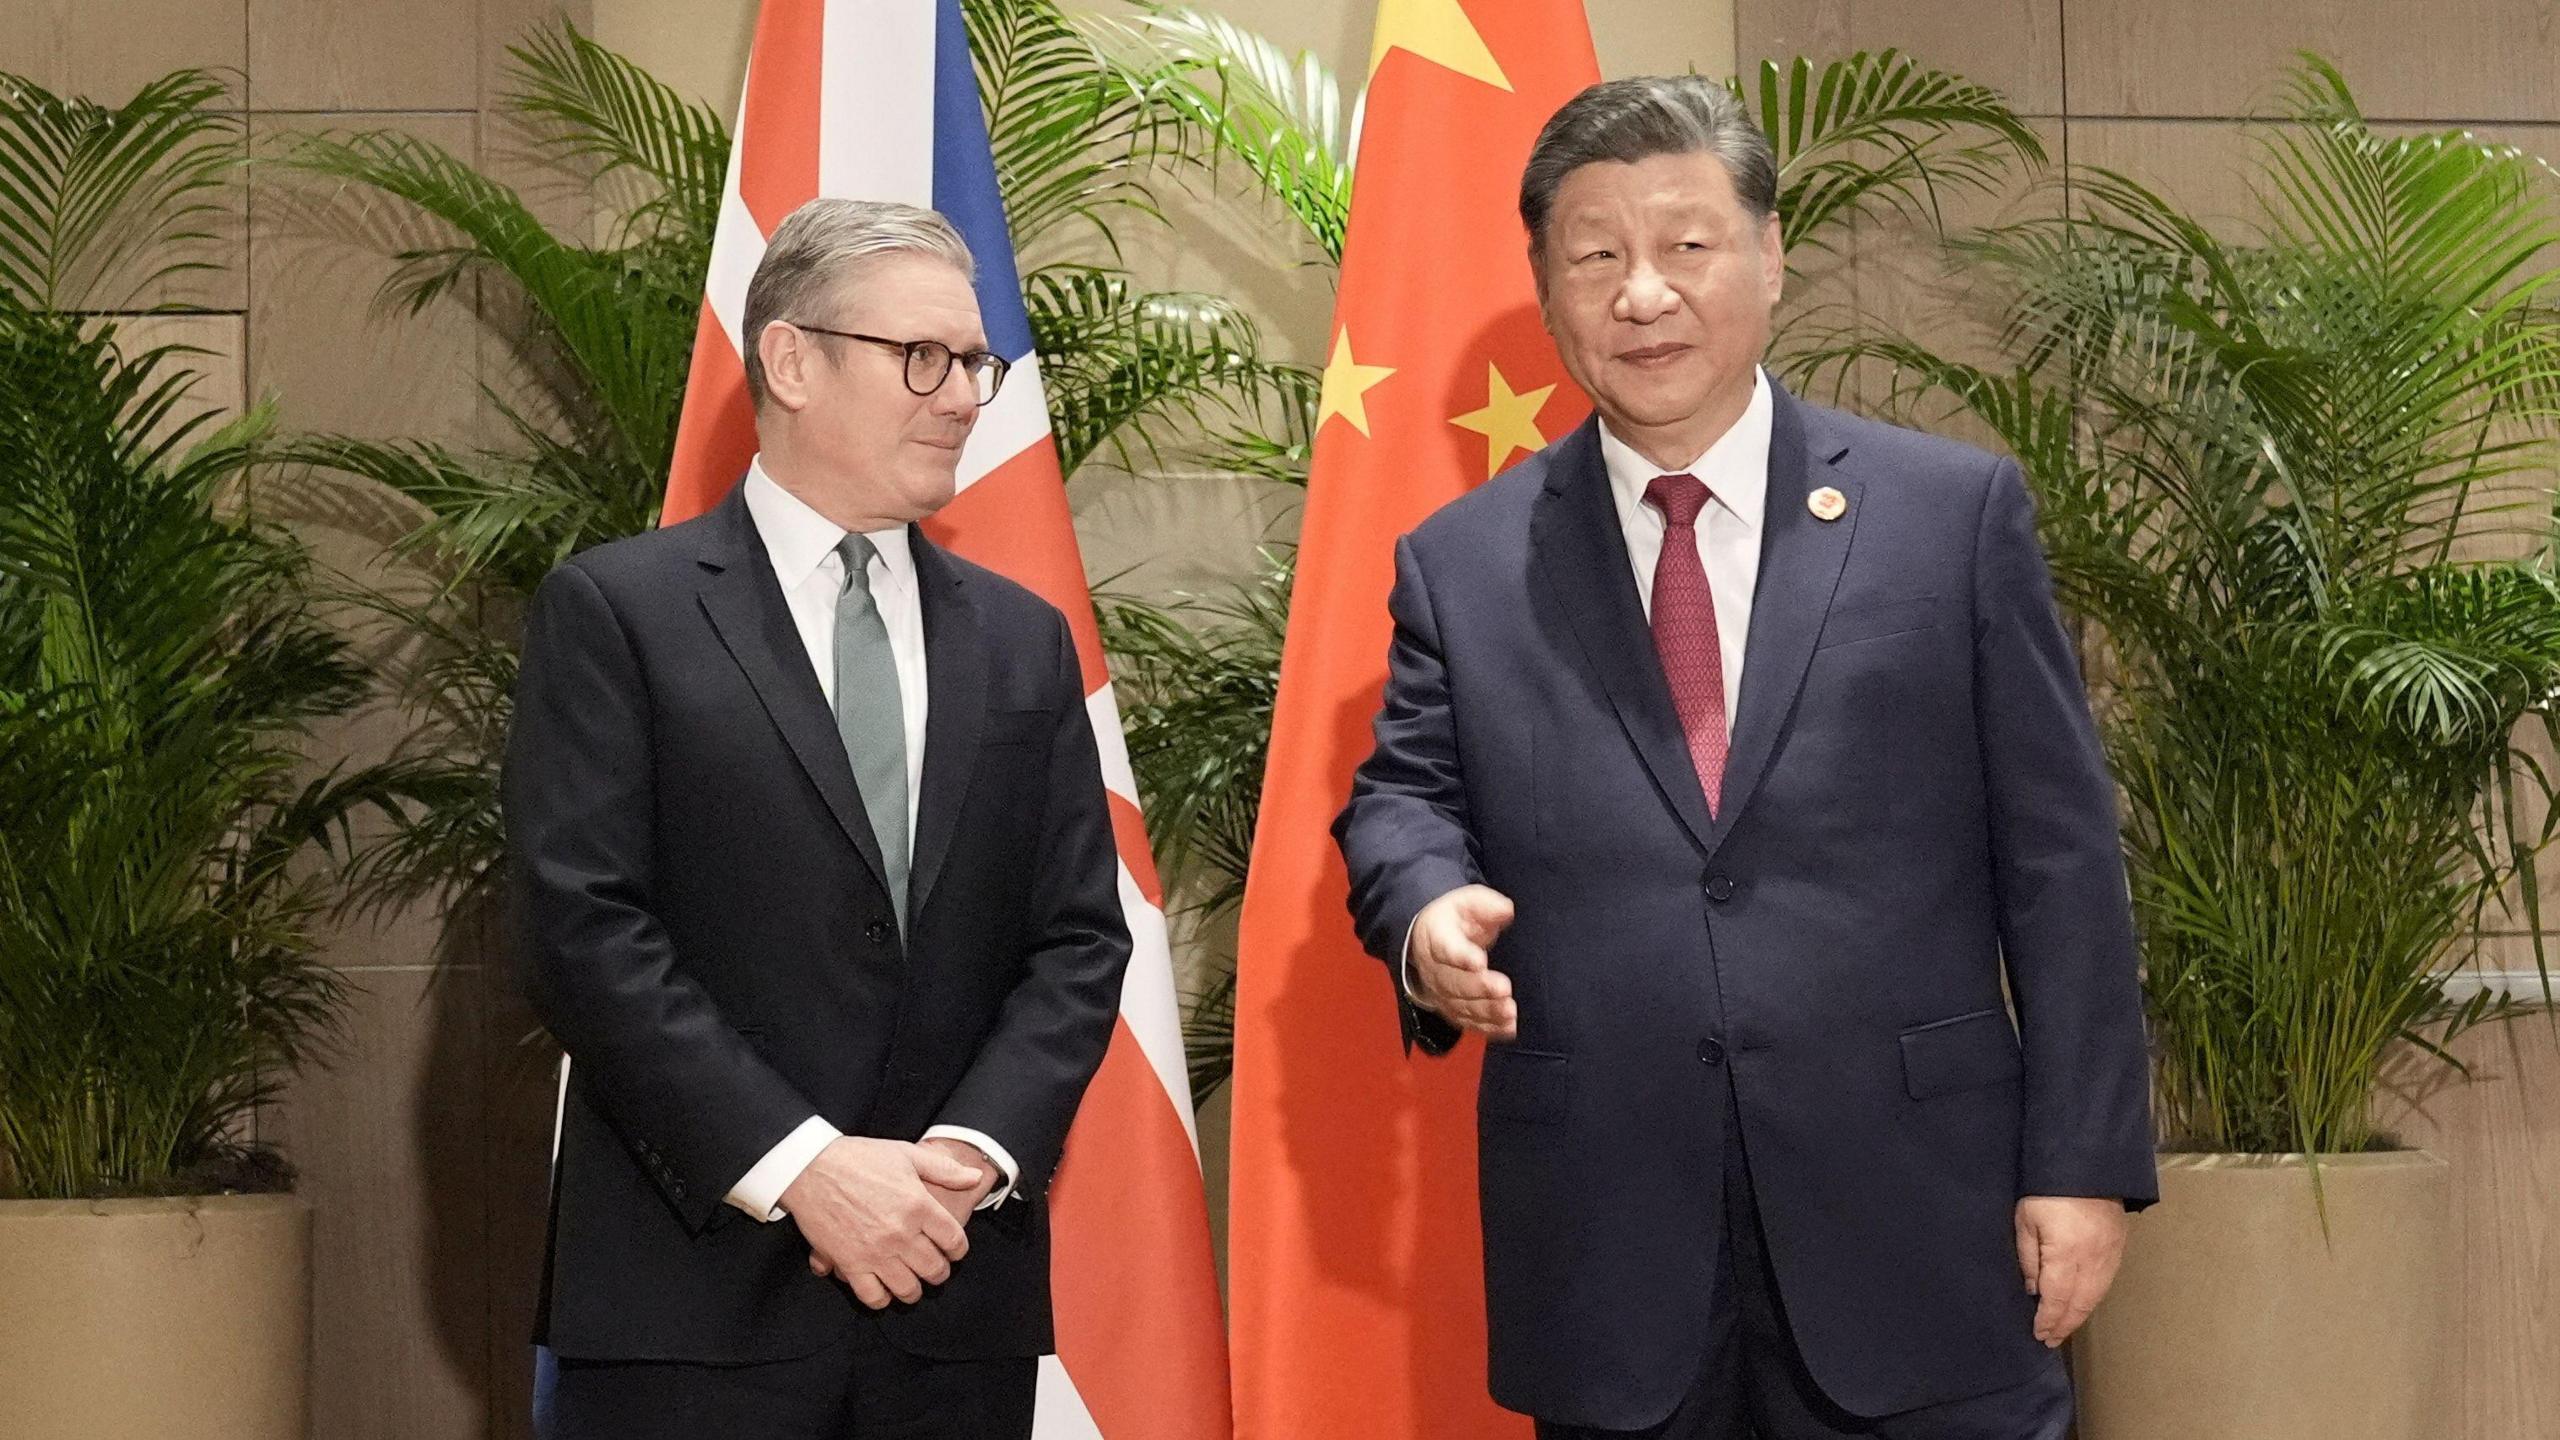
[(1347, 384), (1508, 421), (1438, 31)]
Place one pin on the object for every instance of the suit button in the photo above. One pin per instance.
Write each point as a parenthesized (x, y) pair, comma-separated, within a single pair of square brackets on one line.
[(1711, 1050), (1719, 888), (878, 932)]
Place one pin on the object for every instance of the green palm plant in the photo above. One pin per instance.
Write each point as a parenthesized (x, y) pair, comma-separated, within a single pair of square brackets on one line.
[(2271, 468), (605, 327), (160, 664), (162, 850)]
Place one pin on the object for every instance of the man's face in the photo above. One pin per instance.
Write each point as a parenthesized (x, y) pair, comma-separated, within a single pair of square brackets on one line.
[(896, 453), (1657, 285)]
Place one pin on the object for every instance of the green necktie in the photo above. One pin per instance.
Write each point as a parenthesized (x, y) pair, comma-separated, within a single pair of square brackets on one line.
[(870, 716)]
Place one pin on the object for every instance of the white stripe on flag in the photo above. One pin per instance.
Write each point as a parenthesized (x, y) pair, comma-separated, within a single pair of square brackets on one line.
[(1148, 1001), (1059, 1413), (875, 112), (737, 248), (1018, 420)]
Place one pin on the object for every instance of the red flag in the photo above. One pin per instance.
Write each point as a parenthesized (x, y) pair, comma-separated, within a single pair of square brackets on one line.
[(876, 99), (1357, 1259)]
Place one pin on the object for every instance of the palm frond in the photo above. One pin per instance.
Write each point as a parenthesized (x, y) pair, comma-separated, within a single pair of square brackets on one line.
[(615, 117), (99, 205), (1881, 132)]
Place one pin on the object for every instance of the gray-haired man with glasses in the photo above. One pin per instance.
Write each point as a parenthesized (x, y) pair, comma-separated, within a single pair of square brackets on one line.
[(814, 879)]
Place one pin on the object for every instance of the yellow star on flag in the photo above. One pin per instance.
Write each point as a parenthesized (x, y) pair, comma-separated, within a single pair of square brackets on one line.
[(1508, 421), (1438, 31), (1346, 384)]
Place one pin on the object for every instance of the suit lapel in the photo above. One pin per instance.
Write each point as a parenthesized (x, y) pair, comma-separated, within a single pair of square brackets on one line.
[(744, 602), (1582, 553), (1800, 562), (955, 717)]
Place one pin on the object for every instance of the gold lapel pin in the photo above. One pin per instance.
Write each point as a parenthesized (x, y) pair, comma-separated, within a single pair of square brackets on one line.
[(1827, 504)]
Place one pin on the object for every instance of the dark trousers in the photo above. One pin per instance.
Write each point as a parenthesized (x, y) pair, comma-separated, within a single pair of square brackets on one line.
[(1753, 1384), (860, 1389)]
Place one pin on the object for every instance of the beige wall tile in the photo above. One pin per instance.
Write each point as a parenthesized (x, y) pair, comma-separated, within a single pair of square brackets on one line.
[(2013, 46), (697, 46), (2502, 1136), (364, 54), (2457, 58), (505, 23), (521, 1066), (319, 338), (389, 1143), (108, 51), (2202, 166), (218, 389)]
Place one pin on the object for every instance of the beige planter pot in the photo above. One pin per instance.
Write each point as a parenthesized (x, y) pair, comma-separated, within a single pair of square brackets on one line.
[(2235, 1318), (144, 1319)]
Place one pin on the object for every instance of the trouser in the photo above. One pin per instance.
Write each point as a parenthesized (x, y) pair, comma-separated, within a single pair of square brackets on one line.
[(1753, 1384), (861, 1388)]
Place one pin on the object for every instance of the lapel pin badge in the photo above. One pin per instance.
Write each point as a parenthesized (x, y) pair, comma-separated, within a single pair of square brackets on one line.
[(1827, 504)]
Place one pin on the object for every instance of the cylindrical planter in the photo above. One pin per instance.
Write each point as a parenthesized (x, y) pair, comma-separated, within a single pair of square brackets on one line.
[(2237, 1318), (143, 1319)]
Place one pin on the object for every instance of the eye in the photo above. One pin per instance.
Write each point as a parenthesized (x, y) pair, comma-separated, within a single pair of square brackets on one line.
[(1601, 255)]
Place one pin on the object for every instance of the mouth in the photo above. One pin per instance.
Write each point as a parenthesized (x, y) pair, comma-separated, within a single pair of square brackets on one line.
[(934, 442), (1653, 354)]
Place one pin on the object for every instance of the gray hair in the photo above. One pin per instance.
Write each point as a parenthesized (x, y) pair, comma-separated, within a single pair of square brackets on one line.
[(817, 246), (1636, 119)]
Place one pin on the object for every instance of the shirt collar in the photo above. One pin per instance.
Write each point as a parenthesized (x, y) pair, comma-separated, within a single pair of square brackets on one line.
[(1735, 467), (798, 539)]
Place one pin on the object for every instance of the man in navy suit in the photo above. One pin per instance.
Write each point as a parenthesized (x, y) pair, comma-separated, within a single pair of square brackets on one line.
[(1735, 779)]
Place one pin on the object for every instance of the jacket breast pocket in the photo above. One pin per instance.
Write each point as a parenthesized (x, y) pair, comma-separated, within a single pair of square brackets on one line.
[(1524, 1085), (1874, 620), (1966, 1052)]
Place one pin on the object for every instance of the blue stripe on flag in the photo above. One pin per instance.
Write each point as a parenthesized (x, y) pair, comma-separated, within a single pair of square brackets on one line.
[(964, 185)]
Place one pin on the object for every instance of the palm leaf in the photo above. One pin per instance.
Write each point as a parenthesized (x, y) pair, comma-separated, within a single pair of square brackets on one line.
[(99, 205)]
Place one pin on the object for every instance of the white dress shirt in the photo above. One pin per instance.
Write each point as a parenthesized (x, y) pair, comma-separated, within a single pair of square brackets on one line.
[(802, 546), (1736, 471)]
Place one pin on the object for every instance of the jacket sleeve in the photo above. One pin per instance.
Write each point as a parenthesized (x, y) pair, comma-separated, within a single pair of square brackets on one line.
[(2066, 917), (693, 1101), (1404, 834), (1027, 1079)]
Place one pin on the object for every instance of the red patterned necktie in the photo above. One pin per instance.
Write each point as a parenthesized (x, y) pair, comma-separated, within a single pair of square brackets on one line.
[(1684, 628)]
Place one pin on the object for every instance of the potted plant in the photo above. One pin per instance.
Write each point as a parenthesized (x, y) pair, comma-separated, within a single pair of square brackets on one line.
[(2278, 471), (159, 660)]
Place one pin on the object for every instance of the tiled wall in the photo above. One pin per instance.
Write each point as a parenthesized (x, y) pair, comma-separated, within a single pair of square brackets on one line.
[(2153, 90)]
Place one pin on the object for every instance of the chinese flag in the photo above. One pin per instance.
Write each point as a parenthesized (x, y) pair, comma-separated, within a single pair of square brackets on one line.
[(1358, 1279)]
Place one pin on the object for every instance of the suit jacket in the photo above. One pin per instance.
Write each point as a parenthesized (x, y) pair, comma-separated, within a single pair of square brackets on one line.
[(1915, 808), (701, 920)]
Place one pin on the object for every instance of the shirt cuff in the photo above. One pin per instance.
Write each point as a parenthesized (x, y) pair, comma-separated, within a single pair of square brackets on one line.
[(1404, 965), (759, 1191), (1012, 1173)]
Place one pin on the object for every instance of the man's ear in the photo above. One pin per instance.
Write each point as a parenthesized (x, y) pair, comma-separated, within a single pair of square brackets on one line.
[(785, 353)]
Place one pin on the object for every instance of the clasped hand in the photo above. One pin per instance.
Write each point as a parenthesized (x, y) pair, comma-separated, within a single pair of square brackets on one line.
[(887, 1217)]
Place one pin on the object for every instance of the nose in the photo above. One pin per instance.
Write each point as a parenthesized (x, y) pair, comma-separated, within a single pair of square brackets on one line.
[(1645, 296), (957, 396)]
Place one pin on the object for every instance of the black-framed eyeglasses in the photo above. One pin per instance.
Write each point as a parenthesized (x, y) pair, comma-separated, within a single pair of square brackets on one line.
[(929, 362)]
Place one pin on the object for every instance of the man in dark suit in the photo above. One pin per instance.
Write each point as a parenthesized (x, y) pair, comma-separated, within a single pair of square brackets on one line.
[(1735, 778), (814, 880)]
